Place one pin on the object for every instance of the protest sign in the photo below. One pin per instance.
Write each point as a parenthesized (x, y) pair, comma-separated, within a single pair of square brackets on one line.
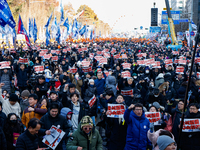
[(191, 125), (23, 60), (57, 52), (39, 69), (180, 69), (103, 61), (56, 139), (152, 56), (168, 62), (99, 52), (91, 55), (117, 56), (98, 58), (106, 55), (149, 62), (116, 110), (123, 50), (92, 101), (87, 69), (124, 56), (175, 52), (140, 62), (156, 64), (197, 60), (84, 49), (105, 51), (47, 56), (153, 117), (73, 70), (42, 54), (198, 75), (126, 74), (99, 70), (53, 51), (180, 61), (54, 58), (85, 63), (4, 64), (141, 55), (80, 50), (127, 92), (44, 51), (113, 51), (126, 65)]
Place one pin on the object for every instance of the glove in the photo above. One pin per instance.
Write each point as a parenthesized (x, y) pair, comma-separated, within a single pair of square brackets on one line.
[(151, 127)]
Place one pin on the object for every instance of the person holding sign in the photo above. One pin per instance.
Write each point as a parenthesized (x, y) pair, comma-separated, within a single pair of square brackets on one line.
[(191, 136), (138, 126), (117, 129), (85, 137)]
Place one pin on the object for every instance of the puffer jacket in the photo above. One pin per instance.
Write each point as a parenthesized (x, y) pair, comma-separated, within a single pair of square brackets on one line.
[(5, 78), (138, 127), (111, 83), (92, 142)]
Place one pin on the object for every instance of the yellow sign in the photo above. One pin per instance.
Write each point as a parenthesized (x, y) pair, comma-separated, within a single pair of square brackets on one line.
[(166, 8)]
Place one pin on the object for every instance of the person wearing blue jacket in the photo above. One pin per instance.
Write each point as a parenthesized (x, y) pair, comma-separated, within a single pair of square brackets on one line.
[(138, 125), (100, 83)]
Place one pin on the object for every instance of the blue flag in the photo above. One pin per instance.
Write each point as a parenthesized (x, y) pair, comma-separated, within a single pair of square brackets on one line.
[(83, 30), (58, 34), (46, 26), (91, 35), (62, 13), (66, 24), (6, 15), (35, 31), (47, 37), (30, 28)]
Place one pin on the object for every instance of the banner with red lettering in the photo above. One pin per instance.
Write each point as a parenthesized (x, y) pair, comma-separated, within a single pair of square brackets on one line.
[(117, 56), (87, 69), (197, 60), (39, 69), (73, 70), (168, 62), (180, 69), (198, 75), (140, 62), (84, 49), (92, 101), (47, 56), (57, 52), (126, 74), (153, 117), (175, 52), (116, 110), (99, 52), (91, 55), (103, 61), (98, 58), (54, 58), (124, 56), (23, 60), (113, 51), (42, 54), (141, 55), (126, 65), (191, 125), (53, 51), (156, 64), (85, 63), (44, 51), (127, 92), (106, 55), (4, 64)]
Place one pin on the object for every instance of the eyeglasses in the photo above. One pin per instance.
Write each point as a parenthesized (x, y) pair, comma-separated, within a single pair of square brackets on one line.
[(87, 128), (138, 109)]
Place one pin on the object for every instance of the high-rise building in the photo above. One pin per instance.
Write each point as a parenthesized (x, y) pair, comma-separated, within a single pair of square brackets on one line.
[(177, 5), (194, 9)]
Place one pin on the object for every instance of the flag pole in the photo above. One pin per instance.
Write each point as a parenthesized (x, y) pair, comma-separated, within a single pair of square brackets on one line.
[(188, 85)]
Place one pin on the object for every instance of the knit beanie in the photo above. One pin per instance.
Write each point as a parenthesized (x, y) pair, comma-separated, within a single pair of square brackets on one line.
[(25, 93), (163, 141), (156, 104), (86, 120), (91, 80)]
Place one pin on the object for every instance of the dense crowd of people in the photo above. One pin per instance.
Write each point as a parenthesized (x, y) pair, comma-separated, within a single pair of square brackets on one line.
[(120, 71)]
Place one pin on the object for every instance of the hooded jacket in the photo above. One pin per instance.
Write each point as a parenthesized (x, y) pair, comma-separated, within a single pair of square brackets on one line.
[(80, 138), (111, 83), (136, 138)]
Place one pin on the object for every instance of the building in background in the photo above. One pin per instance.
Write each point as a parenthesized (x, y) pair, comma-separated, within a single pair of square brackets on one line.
[(177, 5)]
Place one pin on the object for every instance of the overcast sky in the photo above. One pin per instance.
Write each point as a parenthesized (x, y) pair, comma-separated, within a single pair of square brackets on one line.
[(137, 12)]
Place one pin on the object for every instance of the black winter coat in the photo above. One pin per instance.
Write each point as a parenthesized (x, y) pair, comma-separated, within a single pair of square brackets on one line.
[(27, 141), (22, 76), (190, 140), (43, 88)]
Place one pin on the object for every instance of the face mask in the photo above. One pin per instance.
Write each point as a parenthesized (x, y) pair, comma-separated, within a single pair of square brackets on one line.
[(147, 71), (135, 77), (156, 95), (56, 72), (76, 76), (4, 94), (13, 121)]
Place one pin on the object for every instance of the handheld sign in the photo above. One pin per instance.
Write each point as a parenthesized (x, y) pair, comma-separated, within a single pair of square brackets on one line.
[(191, 125), (4, 64), (116, 110), (92, 101), (23, 60), (153, 117), (39, 69), (127, 92)]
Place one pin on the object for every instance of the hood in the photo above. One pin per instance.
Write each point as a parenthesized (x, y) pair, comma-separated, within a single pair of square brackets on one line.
[(64, 111), (160, 76), (111, 80)]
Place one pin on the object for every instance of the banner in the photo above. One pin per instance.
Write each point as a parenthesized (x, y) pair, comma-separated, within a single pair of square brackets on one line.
[(98, 58), (23, 60), (126, 65), (87, 69), (4, 65), (168, 62), (103, 61), (153, 117), (113, 51), (92, 101), (73, 70), (141, 55), (55, 138), (126, 74), (124, 56), (39, 69), (140, 62), (127, 92), (85, 63), (180, 69), (106, 55), (47, 56), (156, 64), (191, 125), (54, 58), (116, 110), (117, 56), (175, 52)]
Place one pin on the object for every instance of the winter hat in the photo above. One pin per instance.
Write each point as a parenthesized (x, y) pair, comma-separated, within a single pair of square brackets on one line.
[(163, 141), (91, 80), (86, 120), (13, 97), (129, 78), (64, 111), (25, 93), (156, 104)]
